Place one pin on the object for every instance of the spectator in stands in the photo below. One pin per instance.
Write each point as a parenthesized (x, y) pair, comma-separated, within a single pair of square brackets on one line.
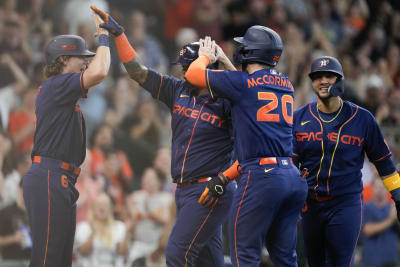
[(22, 162), (162, 166), (88, 189), (101, 240), (15, 239), (145, 44), (101, 140), (21, 123), (118, 185), (149, 209), (5, 155), (9, 93), (380, 238)]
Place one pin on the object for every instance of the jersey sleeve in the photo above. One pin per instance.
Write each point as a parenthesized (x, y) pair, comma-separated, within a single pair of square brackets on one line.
[(68, 88), (162, 87), (226, 84), (377, 149)]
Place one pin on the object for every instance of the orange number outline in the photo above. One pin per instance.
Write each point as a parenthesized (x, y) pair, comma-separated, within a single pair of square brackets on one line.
[(262, 113), (287, 99)]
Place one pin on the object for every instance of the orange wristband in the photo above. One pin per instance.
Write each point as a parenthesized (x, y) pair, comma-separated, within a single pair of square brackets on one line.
[(125, 50), (233, 171), (196, 74)]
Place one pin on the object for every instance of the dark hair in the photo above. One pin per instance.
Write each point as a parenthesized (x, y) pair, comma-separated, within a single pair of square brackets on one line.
[(55, 68)]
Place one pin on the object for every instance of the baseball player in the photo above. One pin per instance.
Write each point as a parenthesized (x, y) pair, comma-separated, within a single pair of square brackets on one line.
[(59, 144), (331, 137), (201, 147), (270, 193)]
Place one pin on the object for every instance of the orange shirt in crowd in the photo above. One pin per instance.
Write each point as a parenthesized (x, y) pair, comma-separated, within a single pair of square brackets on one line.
[(19, 119), (97, 164)]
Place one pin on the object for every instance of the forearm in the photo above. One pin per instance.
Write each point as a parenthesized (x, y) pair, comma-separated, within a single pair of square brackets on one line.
[(371, 229), (233, 172), (7, 240), (127, 54), (227, 63), (196, 72)]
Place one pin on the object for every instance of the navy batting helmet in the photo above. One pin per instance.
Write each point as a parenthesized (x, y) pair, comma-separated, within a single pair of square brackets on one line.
[(329, 64), (188, 54), (66, 45), (259, 44)]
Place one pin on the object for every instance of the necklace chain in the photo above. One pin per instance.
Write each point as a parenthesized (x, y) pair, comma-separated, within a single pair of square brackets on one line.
[(340, 109)]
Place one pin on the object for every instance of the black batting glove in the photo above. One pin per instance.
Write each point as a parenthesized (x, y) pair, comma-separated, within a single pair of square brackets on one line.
[(215, 189)]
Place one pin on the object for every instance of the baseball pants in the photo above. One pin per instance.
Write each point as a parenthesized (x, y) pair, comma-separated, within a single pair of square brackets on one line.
[(50, 196), (266, 208), (195, 239), (331, 230)]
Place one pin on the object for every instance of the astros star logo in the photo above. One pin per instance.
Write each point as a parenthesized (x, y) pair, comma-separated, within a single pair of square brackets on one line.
[(324, 62)]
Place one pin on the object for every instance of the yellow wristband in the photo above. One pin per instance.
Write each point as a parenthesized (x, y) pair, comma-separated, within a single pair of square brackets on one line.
[(392, 182)]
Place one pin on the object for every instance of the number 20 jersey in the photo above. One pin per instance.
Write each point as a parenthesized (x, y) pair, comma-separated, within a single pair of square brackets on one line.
[(262, 110)]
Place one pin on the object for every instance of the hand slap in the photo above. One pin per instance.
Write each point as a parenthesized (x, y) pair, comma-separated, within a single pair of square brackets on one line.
[(208, 48)]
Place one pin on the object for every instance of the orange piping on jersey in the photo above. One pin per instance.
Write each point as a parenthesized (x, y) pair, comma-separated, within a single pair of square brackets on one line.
[(359, 230), (233, 171), (196, 73), (208, 85), (190, 141), (198, 231), (48, 218), (237, 216), (125, 50), (334, 151), (159, 88), (382, 158), (323, 154)]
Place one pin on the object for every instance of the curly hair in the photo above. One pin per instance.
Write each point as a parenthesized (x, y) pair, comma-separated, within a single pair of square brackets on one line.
[(55, 68)]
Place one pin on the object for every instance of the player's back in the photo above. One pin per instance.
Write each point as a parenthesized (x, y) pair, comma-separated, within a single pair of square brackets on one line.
[(262, 111)]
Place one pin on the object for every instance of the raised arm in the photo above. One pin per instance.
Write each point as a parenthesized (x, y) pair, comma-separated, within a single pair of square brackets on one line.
[(100, 64), (127, 54)]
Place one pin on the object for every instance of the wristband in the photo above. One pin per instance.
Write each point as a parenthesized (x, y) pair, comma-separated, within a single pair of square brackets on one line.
[(392, 182), (104, 40), (125, 50)]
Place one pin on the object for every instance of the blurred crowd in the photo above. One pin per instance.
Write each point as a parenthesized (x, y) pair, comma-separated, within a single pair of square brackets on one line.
[(126, 207)]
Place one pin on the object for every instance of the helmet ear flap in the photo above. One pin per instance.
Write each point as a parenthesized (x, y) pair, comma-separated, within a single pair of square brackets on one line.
[(238, 55), (337, 89)]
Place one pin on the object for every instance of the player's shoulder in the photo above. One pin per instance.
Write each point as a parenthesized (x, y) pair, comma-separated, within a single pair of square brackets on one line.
[(303, 109), (362, 112)]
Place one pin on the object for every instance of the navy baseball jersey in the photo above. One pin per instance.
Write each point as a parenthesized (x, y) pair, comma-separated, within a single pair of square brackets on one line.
[(333, 152), (60, 127), (202, 138), (269, 196), (262, 110)]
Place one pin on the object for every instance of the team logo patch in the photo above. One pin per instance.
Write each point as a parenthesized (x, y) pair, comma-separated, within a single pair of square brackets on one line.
[(68, 47), (285, 162), (182, 52), (324, 62)]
